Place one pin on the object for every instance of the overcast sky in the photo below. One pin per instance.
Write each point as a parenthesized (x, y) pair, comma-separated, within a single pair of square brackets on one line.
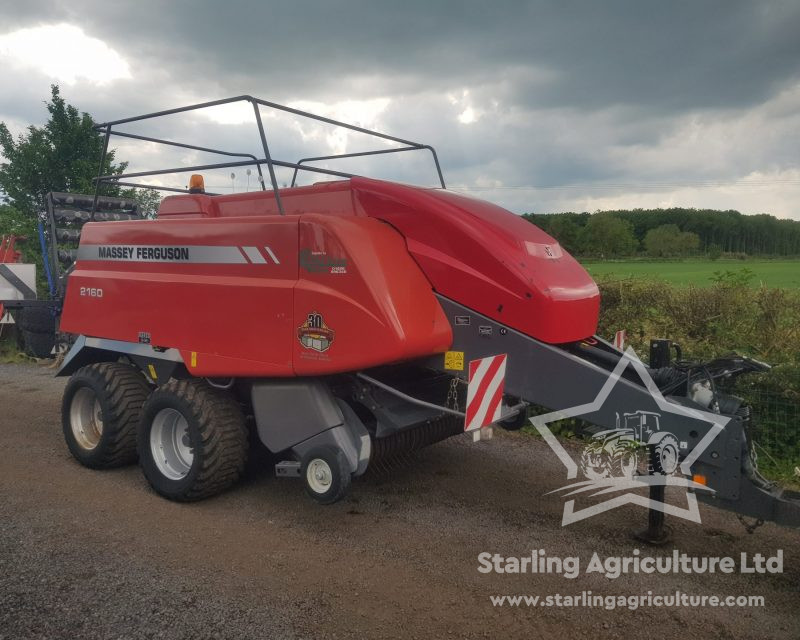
[(537, 106)]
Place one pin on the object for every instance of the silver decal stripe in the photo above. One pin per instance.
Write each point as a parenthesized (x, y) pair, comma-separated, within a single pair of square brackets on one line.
[(272, 255), (134, 349), (190, 254), (254, 255)]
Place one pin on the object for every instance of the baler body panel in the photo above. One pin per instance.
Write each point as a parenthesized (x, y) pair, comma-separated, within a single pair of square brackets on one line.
[(256, 296), (344, 281), (235, 316), (377, 306), (486, 257), (489, 259)]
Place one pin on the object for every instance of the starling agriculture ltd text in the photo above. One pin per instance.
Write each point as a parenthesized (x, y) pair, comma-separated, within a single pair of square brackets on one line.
[(538, 562)]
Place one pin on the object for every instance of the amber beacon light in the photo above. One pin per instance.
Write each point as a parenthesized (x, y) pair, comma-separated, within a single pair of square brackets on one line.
[(196, 184)]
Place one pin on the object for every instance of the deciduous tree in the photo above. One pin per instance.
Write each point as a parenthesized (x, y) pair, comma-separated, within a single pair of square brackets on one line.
[(62, 155), (606, 235)]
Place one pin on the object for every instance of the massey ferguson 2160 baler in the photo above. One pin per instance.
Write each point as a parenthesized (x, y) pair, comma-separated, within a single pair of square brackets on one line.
[(348, 321)]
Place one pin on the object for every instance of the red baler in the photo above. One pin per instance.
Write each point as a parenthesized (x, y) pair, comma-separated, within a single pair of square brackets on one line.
[(340, 324)]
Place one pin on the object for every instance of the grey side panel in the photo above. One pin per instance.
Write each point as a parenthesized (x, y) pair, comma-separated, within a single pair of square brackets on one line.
[(87, 350), (291, 411), (74, 359), (359, 438), (349, 439)]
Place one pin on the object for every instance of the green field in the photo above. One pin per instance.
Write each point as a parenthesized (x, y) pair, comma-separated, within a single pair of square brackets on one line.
[(773, 273)]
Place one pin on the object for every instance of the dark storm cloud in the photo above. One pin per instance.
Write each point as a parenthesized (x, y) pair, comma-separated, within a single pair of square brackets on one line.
[(667, 55), (562, 92)]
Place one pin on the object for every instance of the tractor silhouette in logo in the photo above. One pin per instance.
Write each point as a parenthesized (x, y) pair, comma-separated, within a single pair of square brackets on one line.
[(614, 453)]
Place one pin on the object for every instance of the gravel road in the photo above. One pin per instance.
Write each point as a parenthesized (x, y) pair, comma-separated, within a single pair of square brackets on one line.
[(87, 554)]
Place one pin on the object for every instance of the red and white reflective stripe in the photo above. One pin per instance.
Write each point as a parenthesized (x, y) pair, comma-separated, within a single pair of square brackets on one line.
[(619, 339), (255, 256), (487, 378)]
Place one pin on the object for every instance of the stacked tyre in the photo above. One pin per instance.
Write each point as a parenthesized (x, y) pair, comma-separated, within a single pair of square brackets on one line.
[(38, 328)]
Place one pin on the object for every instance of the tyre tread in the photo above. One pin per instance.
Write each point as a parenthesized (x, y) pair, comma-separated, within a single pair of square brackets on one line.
[(223, 435), (127, 391)]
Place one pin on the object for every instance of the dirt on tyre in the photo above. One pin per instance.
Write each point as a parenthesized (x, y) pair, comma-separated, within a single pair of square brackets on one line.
[(325, 474), (192, 440), (100, 414)]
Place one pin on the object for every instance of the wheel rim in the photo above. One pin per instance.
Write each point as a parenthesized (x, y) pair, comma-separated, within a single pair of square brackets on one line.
[(86, 418), (669, 459), (170, 445), (319, 475)]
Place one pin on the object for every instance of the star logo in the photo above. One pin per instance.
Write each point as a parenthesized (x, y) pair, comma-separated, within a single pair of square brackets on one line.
[(599, 483)]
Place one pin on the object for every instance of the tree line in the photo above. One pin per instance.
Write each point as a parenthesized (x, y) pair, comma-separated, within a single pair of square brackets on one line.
[(671, 232)]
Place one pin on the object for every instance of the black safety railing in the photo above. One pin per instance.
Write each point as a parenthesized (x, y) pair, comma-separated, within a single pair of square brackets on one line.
[(248, 159)]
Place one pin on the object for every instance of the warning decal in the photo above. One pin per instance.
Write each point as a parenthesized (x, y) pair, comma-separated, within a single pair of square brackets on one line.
[(454, 360), (487, 378)]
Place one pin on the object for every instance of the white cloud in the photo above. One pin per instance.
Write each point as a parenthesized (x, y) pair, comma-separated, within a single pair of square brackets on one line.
[(63, 52), (232, 113), (361, 113), (467, 116)]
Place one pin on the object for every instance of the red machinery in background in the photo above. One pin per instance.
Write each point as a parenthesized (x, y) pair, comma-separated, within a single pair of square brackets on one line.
[(8, 251), (8, 254), (14, 283)]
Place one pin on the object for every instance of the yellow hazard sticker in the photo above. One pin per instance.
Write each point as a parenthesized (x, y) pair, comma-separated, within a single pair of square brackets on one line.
[(194, 358), (454, 360)]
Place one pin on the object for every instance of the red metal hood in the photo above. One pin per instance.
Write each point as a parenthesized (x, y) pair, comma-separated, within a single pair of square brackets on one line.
[(488, 259)]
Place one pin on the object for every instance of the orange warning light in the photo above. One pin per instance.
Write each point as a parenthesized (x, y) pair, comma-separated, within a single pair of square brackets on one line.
[(196, 184)]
